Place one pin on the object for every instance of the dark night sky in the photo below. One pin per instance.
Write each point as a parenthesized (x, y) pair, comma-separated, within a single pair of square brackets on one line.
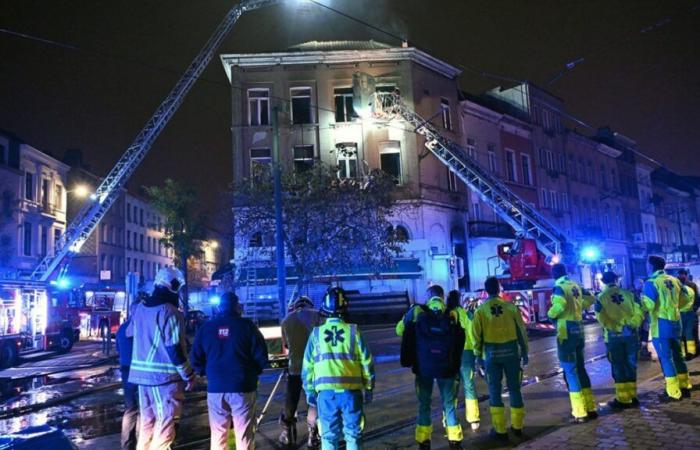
[(645, 85)]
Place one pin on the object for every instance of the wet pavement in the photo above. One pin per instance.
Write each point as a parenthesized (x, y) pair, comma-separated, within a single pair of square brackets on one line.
[(92, 419)]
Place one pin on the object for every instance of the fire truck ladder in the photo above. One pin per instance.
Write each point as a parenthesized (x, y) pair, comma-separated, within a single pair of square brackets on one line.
[(80, 229), (511, 208)]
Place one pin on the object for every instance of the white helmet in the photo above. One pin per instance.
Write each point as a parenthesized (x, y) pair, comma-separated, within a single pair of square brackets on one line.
[(170, 278)]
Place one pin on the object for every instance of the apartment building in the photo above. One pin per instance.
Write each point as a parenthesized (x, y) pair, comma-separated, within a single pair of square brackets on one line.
[(33, 205), (311, 84)]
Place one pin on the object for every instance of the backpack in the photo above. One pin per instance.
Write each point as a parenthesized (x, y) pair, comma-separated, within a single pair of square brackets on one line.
[(438, 345)]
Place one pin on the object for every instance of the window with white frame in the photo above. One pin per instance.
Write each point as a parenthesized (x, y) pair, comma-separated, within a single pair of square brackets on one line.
[(544, 198), (303, 157), (260, 161), (446, 118), (451, 180), (347, 159), (258, 106), (564, 201), (526, 168), (471, 147), (344, 109), (493, 162), (554, 203), (58, 197), (27, 247), (511, 166), (301, 105), (390, 159)]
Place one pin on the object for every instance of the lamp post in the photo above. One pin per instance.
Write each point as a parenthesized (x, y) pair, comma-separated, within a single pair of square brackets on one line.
[(279, 230)]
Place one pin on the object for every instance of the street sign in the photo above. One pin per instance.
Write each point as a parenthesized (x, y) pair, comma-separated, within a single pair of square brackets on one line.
[(105, 275)]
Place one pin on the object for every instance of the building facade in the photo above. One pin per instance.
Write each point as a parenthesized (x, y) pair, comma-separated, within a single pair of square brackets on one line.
[(33, 214)]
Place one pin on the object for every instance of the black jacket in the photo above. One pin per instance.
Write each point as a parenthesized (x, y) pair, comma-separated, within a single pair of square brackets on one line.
[(231, 352)]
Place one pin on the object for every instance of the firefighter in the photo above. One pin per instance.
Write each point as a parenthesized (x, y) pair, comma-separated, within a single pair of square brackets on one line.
[(437, 344), (231, 352), (620, 315), (159, 363), (664, 297), (337, 367), (468, 366), (302, 317), (568, 303), (688, 316), (500, 340), (131, 391)]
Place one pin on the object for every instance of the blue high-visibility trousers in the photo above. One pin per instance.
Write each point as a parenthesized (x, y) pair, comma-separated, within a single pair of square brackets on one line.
[(340, 414), (670, 357), (622, 354), (448, 397), (495, 369), (689, 323), (570, 352), (467, 371)]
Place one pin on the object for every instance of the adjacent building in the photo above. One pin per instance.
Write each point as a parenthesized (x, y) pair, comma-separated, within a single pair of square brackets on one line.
[(32, 206)]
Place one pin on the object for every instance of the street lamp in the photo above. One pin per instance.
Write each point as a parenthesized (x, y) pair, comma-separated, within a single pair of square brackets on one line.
[(80, 191)]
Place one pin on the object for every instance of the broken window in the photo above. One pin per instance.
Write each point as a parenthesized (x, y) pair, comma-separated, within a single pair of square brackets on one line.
[(259, 106), (301, 105), (347, 159), (303, 157), (390, 159)]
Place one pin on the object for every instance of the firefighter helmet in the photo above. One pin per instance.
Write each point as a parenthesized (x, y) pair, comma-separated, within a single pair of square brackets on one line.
[(170, 278), (334, 303)]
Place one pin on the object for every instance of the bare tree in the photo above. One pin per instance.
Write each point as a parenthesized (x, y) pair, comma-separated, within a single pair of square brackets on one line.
[(331, 226)]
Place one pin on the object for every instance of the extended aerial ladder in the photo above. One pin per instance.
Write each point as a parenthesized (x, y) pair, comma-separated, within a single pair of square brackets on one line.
[(509, 206), (80, 229)]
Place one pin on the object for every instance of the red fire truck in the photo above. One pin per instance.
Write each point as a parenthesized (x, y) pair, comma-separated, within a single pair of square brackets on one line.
[(33, 319), (99, 308)]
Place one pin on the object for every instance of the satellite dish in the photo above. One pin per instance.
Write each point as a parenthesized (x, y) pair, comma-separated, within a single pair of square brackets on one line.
[(363, 90)]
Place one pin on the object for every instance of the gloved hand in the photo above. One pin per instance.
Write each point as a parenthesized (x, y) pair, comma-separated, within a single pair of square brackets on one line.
[(525, 359), (369, 395), (311, 400)]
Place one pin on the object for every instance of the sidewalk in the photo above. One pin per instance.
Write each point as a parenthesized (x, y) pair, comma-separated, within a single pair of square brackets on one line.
[(653, 425)]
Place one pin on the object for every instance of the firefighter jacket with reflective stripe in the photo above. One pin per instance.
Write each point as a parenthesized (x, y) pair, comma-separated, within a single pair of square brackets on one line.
[(499, 330), (336, 358), (618, 312), (568, 303), (159, 350), (663, 296), (466, 321)]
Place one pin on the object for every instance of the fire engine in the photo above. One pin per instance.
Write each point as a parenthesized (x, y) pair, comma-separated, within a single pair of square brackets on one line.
[(100, 309), (33, 319)]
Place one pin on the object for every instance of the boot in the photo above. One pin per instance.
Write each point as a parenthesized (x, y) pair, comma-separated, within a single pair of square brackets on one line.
[(314, 440), (288, 435), (425, 445), (456, 445)]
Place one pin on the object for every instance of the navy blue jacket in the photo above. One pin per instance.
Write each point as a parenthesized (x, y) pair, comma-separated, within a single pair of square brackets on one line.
[(231, 352), (125, 345)]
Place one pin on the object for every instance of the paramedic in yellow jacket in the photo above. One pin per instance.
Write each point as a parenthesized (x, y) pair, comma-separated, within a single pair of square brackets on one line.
[(620, 316), (664, 298), (468, 366), (568, 302), (500, 340)]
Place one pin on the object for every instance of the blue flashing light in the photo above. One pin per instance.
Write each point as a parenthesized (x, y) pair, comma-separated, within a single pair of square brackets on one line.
[(590, 253), (63, 283), (215, 300)]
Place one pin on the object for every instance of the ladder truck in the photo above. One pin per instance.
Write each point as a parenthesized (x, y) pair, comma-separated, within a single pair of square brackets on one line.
[(28, 318), (539, 244)]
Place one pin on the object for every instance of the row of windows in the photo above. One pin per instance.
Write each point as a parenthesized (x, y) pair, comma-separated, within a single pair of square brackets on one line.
[(27, 247), (346, 159), (258, 239), (136, 215), (303, 112), (135, 241), (553, 200), (115, 264)]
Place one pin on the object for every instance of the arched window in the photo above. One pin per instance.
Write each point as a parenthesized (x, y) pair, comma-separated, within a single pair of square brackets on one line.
[(256, 240), (401, 233)]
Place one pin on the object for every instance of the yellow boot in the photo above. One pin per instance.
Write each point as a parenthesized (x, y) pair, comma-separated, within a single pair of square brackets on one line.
[(517, 419), (684, 384), (622, 396), (632, 391), (673, 388), (498, 421), (578, 406), (472, 409), (589, 401), (692, 350), (423, 433)]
